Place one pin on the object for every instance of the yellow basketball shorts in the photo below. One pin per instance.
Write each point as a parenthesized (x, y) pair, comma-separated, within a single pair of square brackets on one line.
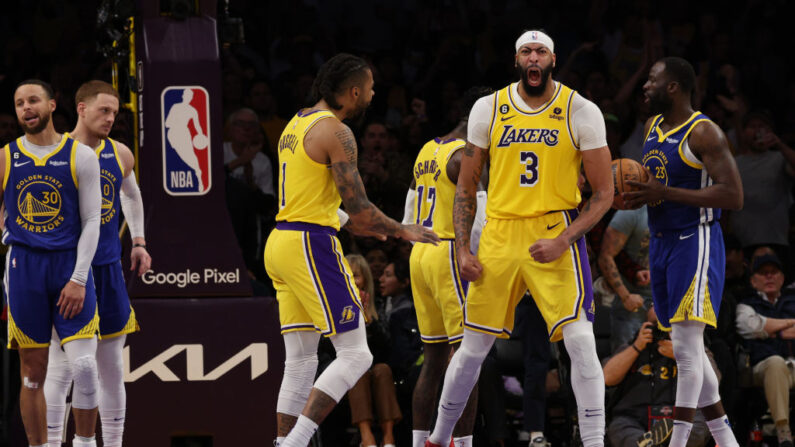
[(314, 283), (560, 288), (438, 292)]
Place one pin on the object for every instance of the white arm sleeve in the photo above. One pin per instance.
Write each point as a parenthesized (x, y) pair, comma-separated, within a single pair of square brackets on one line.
[(480, 222), (588, 124), (344, 217), (90, 204), (132, 205), (479, 123), (408, 210)]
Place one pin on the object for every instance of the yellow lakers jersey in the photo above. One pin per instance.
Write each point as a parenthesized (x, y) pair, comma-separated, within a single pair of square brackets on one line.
[(307, 192), (534, 162), (435, 191)]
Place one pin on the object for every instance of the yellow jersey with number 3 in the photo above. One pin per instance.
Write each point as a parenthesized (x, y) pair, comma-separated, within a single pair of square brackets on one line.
[(435, 192), (307, 192), (534, 162)]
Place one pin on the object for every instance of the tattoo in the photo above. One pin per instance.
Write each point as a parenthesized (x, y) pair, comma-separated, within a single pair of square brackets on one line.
[(319, 407), (595, 197), (285, 423), (465, 203), (351, 190), (348, 143)]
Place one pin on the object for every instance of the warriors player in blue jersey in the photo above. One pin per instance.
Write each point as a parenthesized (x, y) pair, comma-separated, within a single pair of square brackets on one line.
[(692, 175), (97, 106), (52, 204)]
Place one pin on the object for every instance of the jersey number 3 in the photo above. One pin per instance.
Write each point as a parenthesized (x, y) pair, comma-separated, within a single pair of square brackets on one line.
[(530, 162)]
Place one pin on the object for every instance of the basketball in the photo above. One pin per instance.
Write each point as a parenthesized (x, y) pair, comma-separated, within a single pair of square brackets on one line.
[(624, 170), (200, 141)]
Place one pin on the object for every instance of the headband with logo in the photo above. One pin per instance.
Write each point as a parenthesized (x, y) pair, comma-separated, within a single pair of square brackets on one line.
[(535, 37)]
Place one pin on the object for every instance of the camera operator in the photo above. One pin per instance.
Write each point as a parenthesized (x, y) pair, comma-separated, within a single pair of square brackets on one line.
[(641, 407)]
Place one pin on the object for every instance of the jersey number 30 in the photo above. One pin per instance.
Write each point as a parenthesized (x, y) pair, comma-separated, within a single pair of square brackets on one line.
[(530, 162)]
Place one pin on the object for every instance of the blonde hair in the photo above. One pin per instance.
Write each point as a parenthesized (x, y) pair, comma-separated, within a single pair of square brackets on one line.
[(360, 263), (91, 89)]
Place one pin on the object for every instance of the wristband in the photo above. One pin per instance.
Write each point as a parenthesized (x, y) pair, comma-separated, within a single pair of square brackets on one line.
[(139, 245), (635, 348)]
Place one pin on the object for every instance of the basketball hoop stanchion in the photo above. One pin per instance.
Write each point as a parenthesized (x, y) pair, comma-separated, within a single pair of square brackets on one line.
[(208, 361)]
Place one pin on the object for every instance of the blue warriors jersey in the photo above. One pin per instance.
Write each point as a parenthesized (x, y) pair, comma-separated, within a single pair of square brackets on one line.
[(40, 196), (111, 174), (668, 157)]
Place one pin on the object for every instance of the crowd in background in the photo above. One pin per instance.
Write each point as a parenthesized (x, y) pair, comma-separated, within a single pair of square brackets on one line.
[(424, 55)]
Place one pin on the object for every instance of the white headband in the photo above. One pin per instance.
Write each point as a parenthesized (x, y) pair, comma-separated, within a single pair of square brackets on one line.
[(535, 37)]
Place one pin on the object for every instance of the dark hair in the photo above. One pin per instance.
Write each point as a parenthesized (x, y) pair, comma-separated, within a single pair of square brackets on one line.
[(470, 97), (402, 269), (338, 73), (47, 87), (681, 72)]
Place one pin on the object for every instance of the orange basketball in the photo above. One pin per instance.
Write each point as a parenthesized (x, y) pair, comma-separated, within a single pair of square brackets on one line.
[(625, 169)]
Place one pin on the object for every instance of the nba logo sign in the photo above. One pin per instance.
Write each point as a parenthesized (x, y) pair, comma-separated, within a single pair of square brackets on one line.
[(185, 112)]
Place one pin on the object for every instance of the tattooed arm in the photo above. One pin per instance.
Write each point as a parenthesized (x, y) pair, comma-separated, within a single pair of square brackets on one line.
[(612, 243), (472, 161), (597, 171), (342, 153)]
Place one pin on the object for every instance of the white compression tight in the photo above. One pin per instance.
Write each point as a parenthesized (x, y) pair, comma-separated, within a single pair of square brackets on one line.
[(587, 380), (113, 396), (75, 361), (300, 366), (461, 376), (697, 383)]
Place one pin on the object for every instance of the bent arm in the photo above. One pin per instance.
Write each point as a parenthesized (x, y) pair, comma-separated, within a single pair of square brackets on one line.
[(617, 366), (90, 206), (597, 171), (709, 144), (342, 154), (465, 202)]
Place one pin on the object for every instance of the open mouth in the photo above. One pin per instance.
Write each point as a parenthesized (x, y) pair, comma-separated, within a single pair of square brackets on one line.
[(31, 119), (534, 76)]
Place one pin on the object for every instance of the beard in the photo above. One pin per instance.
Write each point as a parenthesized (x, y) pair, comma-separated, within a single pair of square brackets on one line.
[(546, 75), (43, 121), (357, 118), (659, 104)]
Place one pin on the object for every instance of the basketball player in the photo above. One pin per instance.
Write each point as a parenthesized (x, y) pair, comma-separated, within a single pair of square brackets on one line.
[(97, 106), (535, 133), (52, 200), (178, 133), (316, 293), (436, 283), (692, 175)]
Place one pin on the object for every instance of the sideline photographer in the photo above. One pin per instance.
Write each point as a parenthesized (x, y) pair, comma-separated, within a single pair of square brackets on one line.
[(641, 407)]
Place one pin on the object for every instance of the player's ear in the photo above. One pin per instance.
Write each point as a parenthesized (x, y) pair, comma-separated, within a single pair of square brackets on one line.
[(81, 107)]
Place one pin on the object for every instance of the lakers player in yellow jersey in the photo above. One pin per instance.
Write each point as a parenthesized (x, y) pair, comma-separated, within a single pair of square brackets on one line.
[(536, 134), (436, 283), (313, 281)]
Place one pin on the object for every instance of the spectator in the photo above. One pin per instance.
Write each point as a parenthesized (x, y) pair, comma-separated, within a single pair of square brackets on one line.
[(645, 373), (261, 100), (401, 317), (766, 169), (376, 386), (628, 231), (9, 130), (766, 322), (249, 186)]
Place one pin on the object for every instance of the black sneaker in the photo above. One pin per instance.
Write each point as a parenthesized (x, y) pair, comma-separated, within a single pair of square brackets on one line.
[(659, 434)]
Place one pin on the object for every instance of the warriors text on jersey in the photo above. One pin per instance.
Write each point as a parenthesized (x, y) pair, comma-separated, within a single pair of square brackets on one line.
[(669, 158), (111, 173), (40, 195)]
